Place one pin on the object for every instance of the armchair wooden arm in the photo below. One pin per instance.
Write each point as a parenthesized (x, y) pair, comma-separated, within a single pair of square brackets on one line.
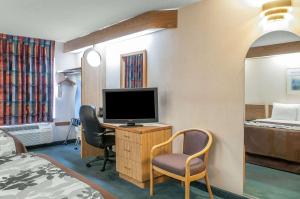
[(202, 152), (164, 143)]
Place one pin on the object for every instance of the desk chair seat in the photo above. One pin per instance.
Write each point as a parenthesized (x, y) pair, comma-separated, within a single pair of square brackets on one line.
[(104, 141), (175, 163)]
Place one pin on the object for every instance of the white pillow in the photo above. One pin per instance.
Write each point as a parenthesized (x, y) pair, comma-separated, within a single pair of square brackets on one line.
[(285, 111)]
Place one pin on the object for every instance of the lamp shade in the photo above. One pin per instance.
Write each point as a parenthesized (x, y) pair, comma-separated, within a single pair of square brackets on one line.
[(276, 9)]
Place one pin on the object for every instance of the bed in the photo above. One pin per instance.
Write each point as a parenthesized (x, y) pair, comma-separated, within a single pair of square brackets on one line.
[(9, 144), (274, 142), (29, 175)]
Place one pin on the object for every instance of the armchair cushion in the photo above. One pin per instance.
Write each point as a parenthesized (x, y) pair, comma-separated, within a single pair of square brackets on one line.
[(175, 163)]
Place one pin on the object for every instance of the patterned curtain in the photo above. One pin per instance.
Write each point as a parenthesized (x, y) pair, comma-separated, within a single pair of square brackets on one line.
[(133, 71), (26, 80)]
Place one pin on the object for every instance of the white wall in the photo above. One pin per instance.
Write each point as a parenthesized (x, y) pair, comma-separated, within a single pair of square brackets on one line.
[(266, 79), (64, 105), (199, 69)]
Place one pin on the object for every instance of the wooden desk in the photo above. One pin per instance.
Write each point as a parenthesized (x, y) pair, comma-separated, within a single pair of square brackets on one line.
[(133, 146)]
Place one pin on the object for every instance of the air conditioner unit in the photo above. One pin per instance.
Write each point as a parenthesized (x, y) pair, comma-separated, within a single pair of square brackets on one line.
[(32, 134)]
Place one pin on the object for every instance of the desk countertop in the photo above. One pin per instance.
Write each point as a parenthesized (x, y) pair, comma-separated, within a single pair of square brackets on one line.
[(147, 127)]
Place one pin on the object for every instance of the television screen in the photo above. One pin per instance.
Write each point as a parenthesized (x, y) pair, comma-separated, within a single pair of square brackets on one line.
[(130, 105)]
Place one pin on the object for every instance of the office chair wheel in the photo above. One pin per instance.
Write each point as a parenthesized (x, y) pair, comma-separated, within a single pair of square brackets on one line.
[(88, 165)]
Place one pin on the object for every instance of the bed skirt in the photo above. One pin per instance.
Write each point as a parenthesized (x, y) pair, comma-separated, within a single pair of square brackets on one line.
[(273, 163), (273, 147)]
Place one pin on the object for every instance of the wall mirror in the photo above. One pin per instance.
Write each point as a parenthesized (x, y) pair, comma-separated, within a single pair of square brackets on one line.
[(271, 135)]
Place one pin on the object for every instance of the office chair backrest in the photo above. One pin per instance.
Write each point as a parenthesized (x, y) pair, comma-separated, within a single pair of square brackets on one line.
[(92, 129)]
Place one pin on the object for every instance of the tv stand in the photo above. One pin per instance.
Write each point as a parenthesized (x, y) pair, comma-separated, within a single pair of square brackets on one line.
[(131, 125)]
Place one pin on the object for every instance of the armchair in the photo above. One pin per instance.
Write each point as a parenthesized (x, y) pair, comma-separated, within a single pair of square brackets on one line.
[(189, 166)]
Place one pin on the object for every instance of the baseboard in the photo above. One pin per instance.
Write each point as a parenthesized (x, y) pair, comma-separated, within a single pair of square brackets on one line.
[(217, 191), (71, 141)]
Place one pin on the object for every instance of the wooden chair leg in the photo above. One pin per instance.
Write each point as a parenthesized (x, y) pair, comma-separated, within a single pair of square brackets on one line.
[(208, 187), (151, 181), (187, 189)]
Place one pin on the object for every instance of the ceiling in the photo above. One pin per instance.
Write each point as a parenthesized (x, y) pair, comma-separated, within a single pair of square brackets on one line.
[(63, 20), (276, 37)]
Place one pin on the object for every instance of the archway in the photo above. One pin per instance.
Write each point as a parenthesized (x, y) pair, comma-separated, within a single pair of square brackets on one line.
[(270, 132)]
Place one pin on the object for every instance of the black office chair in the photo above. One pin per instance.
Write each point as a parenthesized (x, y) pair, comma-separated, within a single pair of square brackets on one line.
[(95, 134)]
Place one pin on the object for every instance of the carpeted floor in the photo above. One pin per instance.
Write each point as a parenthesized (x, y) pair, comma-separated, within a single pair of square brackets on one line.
[(110, 180), (266, 183), (261, 182)]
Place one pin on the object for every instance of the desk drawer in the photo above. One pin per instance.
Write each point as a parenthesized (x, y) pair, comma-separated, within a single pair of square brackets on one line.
[(129, 168), (128, 136), (128, 150)]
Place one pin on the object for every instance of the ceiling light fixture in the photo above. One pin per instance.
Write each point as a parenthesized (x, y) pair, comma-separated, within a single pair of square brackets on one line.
[(276, 9), (92, 57)]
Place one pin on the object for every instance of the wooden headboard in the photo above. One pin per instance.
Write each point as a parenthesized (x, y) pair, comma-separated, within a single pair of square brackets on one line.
[(257, 111)]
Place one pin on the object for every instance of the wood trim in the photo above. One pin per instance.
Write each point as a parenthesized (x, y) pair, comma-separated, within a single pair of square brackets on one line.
[(65, 123), (138, 130), (122, 67), (145, 69), (276, 49), (133, 53), (257, 111), (150, 20)]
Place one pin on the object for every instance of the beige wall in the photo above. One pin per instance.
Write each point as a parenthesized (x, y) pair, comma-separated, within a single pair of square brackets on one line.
[(199, 69)]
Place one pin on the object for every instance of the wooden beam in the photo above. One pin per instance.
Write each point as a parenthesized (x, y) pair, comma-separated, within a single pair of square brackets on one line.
[(147, 21), (276, 49)]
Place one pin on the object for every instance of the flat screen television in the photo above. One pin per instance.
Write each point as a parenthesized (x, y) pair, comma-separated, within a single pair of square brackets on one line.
[(130, 106)]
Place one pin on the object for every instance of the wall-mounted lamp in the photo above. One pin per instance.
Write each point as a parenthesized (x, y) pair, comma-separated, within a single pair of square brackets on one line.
[(276, 9), (92, 57)]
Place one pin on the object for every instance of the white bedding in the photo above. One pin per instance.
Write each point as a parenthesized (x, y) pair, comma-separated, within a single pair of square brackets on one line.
[(286, 122), (270, 123)]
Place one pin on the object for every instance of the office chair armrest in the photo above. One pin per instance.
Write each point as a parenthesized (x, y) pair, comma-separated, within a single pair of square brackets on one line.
[(109, 131)]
